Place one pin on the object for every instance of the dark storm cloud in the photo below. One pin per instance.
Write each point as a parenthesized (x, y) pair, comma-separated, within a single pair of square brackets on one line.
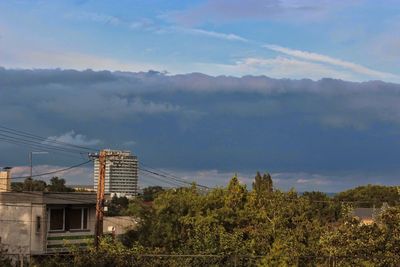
[(198, 122)]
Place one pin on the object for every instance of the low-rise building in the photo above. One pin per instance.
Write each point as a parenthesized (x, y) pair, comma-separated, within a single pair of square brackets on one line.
[(82, 187), (118, 225), (5, 179), (367, 216), (34, 223)]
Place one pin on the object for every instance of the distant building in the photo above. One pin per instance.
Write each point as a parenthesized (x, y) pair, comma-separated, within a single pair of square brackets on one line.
[(82, 187), (5, 179), (121, 177), (36, 223), (367, 216), (118, 225)]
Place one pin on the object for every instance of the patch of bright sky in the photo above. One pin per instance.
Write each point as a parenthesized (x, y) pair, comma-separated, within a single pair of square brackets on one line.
[(143, 32)]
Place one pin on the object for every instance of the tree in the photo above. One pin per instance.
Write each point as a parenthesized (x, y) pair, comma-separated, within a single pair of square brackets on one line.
[(322, 207), (117, 206), (149, 193), (238, 226), (370, 195), (356, 244), (29, 184), (58, 185), (263, 183)]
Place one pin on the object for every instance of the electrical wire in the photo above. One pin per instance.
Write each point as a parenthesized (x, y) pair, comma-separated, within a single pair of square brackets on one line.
[(37, 137), (6, 137), (49, 173), (173, 183), (168, 177)]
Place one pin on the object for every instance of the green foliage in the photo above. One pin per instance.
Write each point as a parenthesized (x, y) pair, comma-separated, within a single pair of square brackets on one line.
[(149, 193), (263, 184), (322, 207), (355, 244), (58, 185), (117, 206), (29, 184), (232, 226), (230, 221), (4, 259), (369, 195)]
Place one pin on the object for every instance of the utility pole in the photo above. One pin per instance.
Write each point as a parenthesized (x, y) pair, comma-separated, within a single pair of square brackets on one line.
[(31, 159), (100, 198), (103, 156)]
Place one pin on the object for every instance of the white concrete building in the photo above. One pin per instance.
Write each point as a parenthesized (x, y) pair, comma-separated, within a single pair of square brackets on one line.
[(5, 179), (121, 177), (36, 223)]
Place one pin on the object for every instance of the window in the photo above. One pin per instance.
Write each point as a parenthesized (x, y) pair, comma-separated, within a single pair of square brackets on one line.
[(38, 224), (77, 218), (65, 219), (57, 216)]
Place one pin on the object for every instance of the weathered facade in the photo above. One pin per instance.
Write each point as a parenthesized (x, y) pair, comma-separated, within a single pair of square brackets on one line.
[(35, 223), (118, 225), (5, 179)]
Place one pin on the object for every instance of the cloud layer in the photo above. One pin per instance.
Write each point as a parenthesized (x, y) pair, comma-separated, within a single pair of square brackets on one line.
[(321, 132)]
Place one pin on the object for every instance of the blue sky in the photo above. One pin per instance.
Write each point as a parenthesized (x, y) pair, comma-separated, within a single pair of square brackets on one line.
[(232, 93), (352, 40)]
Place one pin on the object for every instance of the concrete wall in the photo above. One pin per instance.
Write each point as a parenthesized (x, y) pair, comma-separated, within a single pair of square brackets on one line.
[(119, 224), (18, 227), (5, 181), (18, 233)]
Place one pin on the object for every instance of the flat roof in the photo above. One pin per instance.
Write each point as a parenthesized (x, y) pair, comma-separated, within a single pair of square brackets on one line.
[(48, 197)]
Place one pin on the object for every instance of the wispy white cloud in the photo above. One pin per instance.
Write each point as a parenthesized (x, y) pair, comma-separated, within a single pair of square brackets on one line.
[(150, 25), (73, 138), (220, 11), (278, 67), (310, 56), (213, 34), (95, 17)]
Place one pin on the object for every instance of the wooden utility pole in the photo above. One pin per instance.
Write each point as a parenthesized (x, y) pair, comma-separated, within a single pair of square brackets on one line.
[(100, 198)]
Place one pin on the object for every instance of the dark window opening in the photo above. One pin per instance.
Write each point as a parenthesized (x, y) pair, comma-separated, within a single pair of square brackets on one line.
[(77, 218), (65, 219), (85, 218), (38, 224), (56, 219)]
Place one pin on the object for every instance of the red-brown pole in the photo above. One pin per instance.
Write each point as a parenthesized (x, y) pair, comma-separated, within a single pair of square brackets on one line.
[(100, 198)]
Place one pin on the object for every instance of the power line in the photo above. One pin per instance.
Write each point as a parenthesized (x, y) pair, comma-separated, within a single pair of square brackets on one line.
[(37, 137), (173, 183), (24, 144), (42, 145), (173, 178), (163, 172), (52, 172)]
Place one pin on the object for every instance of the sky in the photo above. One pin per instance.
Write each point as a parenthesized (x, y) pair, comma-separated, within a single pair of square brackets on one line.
[(306, 90)]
